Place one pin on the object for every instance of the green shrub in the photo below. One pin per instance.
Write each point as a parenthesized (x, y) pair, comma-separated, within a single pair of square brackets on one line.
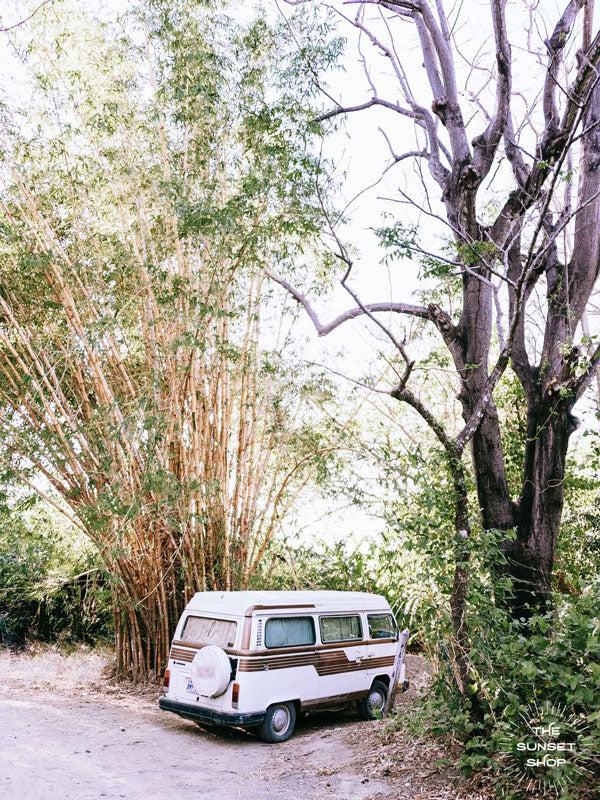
[(342, 565), (51, 584), (526, 675)]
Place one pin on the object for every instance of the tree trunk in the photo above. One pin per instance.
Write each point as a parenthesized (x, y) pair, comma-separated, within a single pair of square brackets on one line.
[(458, 598), (531, 555), (548, 387), (496, 508)]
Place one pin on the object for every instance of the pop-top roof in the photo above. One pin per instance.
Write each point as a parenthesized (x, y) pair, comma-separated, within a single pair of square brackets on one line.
[(237, 603)]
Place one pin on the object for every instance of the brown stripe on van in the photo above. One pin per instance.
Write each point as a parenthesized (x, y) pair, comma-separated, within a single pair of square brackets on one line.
[(352, 666), (376, 663), (284, 660), (334, 699), (254, 665), (190, 645), (199, 645), (341, 670), (324, 663)]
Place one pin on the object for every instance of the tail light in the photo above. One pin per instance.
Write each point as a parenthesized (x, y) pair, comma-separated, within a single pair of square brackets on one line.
[(235, 695), (166, 681)]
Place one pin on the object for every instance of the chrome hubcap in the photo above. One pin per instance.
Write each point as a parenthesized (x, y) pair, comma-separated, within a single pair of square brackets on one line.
[(281, 719), (376, 701)]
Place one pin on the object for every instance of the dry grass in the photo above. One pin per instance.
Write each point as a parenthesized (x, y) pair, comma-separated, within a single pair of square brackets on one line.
[(51, 668), (419, 767), (81, 671)]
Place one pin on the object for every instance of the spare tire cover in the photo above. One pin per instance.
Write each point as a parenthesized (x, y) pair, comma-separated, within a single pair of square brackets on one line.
[(211, 671)]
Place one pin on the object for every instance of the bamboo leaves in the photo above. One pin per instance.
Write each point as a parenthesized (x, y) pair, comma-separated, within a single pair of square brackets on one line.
[(137, 222)]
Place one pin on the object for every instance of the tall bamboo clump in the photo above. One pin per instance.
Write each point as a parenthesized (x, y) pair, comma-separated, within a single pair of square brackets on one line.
[(138, 218)]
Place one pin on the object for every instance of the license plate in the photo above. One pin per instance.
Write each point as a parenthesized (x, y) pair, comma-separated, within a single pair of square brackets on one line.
[(190, 687)]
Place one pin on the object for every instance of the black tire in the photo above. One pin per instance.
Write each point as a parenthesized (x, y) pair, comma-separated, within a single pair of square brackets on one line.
[(371, 707), (278, 724)]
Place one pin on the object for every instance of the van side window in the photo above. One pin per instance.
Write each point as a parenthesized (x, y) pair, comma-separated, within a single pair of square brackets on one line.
[(382, 626), (209, 631), (340, 629), (289, 631)]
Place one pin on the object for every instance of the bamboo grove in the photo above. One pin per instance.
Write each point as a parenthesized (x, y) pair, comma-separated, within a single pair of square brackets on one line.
[(135, 393)]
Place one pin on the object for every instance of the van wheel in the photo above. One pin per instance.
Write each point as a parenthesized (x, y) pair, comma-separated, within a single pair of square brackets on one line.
[(371, 707), (278, 724)]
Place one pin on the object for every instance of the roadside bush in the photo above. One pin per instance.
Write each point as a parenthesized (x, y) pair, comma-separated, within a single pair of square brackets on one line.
[(51, 584), (544, 671), (524, 674)]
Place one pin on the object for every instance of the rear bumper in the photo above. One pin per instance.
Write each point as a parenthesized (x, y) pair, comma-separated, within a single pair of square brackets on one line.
[(199, 714)]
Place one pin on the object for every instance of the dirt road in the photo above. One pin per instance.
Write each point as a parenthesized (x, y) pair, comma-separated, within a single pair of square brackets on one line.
[(64, 736)]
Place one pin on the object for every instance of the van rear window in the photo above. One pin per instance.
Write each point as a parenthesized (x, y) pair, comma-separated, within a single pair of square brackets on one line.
[(341, 629), (289, 631), (209, 631)]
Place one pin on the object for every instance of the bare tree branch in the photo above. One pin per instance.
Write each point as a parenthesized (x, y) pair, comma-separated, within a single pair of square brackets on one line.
[(582, 383), (486, 144), (406, 396), (374, 101), (5, 29), (555, 46), (323, 329)]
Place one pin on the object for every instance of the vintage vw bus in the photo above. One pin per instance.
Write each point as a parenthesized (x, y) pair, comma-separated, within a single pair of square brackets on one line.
[(257, 659)]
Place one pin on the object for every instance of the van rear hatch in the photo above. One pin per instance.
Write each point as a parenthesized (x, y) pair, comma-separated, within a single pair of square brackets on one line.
[(198, 631), (185, 692)]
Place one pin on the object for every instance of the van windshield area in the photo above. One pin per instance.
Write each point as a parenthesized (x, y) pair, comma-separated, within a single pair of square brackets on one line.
[(206, 630), (382, 626)]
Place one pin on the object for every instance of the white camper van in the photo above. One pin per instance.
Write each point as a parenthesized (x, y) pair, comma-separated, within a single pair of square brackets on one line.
[(257, 659)]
